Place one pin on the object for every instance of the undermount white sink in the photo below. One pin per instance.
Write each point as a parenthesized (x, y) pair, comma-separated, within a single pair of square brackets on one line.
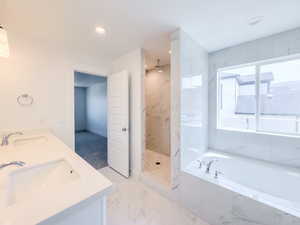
[(29, 140), (25, 183)]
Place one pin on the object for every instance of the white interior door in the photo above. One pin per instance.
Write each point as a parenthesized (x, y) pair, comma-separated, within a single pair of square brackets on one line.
[(118, 122)]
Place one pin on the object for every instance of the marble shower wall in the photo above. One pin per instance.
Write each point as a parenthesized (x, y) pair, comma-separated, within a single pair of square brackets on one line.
[(194, 97), (189, 106), (278, 149), (157, 101)]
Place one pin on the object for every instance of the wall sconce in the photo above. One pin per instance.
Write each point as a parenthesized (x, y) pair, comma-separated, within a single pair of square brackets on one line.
[(4, 48)]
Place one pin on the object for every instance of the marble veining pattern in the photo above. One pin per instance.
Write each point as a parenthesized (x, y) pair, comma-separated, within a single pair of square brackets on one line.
[(157, 99), (133, 203), (194, 99), (175, 111), (257, 214), (220, 206)]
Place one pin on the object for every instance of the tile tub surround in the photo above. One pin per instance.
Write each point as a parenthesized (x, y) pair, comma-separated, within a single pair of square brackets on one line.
[(133, 203), (212, 203), (193, 60), (157, 102), (219, 206), (189, 72), (270, 184), (158, 173), (273, 148)]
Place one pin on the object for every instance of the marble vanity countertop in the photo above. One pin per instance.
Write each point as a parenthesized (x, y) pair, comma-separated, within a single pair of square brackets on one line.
[(43, 205)]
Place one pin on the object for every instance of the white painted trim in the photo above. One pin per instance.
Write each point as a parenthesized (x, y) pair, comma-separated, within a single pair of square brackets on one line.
[(257, 97), (90, 73), (260, 132), (218, 94), (261, 62), (257, 65), (104, 210), (73, 99)]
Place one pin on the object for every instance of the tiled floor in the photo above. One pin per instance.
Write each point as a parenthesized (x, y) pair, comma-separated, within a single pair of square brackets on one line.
[(92, 148), (133, 203), (160, 173)]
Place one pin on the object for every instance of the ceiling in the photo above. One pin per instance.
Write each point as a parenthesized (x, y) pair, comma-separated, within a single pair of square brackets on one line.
[(146, 23), (87, 80)]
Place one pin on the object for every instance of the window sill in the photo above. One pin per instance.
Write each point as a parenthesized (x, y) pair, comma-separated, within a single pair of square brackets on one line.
[(260, 132)]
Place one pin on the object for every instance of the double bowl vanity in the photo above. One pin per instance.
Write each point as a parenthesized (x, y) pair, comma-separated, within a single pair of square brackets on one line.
[(42, 181)]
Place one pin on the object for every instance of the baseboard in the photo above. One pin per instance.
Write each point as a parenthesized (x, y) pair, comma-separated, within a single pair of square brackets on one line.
[(96, 132), (80, 131)]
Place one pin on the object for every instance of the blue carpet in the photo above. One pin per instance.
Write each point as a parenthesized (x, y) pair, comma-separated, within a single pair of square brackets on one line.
[(92, 148)]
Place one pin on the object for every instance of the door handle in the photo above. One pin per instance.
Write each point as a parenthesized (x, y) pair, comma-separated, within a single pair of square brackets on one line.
[(124, 129)]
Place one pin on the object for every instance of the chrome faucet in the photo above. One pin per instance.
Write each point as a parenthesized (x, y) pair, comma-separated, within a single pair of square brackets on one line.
[(5, 138), (217, 173), (200, 163), (209, 164), (16, 163)]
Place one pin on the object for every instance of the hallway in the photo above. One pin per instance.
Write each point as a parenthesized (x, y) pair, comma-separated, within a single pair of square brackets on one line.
[(92, 148)]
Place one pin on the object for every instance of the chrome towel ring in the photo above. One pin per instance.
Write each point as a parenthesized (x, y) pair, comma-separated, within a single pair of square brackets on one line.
[(25, 100)]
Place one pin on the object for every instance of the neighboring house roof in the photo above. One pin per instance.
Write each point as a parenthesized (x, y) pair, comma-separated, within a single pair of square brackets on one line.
[(282, 99), (228, 75), (248, 79)]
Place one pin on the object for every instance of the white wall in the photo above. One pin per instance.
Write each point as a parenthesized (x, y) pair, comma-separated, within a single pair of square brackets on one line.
[(96, 106), (80, 109), (133, 62), (283, 150), (47, 73)]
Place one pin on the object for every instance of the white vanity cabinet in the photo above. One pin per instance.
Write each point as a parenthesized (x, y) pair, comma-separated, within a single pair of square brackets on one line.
[(89, 212)]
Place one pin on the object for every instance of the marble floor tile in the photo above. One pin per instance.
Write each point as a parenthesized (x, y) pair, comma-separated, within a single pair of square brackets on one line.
[(157, 172), (134, 203)]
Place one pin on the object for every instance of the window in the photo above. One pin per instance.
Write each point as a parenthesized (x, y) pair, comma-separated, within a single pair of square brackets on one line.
[(261, 97)]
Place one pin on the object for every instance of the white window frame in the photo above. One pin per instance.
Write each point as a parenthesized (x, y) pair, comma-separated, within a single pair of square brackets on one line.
[(257, 65)]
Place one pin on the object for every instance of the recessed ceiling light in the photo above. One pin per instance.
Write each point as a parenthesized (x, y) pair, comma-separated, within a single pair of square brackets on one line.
[(100, 30), (255, 20), (4, 48)]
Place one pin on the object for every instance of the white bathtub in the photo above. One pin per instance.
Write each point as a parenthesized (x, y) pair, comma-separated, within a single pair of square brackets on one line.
[(274, 185)]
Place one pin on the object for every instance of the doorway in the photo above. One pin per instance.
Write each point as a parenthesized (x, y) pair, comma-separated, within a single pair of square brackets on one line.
[(90, 101), (157, 122)]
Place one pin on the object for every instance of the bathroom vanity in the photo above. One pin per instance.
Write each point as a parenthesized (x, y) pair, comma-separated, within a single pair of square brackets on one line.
[(52, 185)]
